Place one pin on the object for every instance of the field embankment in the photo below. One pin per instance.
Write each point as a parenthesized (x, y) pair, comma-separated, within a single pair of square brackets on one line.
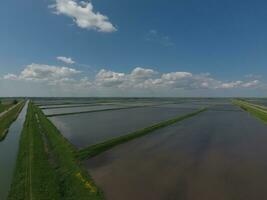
[(8, 118), (96, 149), (92, 111), (46, 165), (254, 109), (4, 107)]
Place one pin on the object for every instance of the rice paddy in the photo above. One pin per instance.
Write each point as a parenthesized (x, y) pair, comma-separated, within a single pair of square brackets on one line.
[(140, 148)]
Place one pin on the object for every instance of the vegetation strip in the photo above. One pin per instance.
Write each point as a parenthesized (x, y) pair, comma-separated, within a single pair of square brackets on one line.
[(108, 109), (254, 109), (46, 166), (4, 107), (8, 118), (93, 111), (74, 106), (96, 149)]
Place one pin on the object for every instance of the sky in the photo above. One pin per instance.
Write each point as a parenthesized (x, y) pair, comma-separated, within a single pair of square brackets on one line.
[(124, 48)]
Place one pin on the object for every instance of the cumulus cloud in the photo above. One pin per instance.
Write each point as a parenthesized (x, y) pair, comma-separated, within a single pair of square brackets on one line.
[(41, 72), (65, 60), (83, 15), (109, 78), (141, 73), (139, 79), (240, 84), (230, 84), (251, 84), (10, 77), (138, 75), (46, 72), (148, 78)]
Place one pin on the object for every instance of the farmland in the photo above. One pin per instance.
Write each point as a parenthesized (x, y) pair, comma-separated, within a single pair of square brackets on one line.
[(174, 148), (199, 158)]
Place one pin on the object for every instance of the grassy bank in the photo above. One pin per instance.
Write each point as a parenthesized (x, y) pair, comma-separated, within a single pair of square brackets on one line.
[(8, 118), (104, 146), (4, 107), (256, 110), (46, 166)]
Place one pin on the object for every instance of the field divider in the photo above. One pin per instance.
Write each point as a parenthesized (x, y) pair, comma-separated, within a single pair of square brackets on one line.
[(73, 106), (4, 134), (108, 109), (96, 149), (92, 111), (254, 109), (46, 166)]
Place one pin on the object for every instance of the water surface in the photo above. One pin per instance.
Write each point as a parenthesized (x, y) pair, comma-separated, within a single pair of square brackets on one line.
[(216, 155), (8, 153), (86, 129), (53, 111)]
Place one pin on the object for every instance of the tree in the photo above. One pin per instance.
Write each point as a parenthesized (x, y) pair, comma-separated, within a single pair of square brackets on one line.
[(15, 101)]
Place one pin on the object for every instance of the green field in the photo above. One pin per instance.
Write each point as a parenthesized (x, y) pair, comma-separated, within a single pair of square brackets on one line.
[(7, 119)]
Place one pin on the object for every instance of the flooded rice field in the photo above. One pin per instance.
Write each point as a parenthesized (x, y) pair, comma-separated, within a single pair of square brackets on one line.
[(73, 105), (8, 153), (86, 129), (215, 155), (60, 101), (260, 101), (182, 105), (79, 109)]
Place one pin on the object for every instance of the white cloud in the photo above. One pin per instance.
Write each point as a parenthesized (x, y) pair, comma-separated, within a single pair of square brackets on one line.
[(10, 77), (65, 60), (109, 78), (140, 79), (41, 72), (141, 73), (240, 84), (173, 76), (251, 84), (230, 84), (148, 78), (83, 15)]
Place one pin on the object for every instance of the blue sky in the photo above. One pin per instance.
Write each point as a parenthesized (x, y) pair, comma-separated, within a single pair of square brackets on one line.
[(133, 48)]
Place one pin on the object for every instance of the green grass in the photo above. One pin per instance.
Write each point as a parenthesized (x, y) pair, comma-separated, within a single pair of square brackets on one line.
[(255, 110), (33, 178), (46, 165), (7, 119), (96, 149), (4, 107)]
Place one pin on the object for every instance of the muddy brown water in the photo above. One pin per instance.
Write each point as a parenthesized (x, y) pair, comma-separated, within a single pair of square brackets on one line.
[(213, 156), (86, 129)]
